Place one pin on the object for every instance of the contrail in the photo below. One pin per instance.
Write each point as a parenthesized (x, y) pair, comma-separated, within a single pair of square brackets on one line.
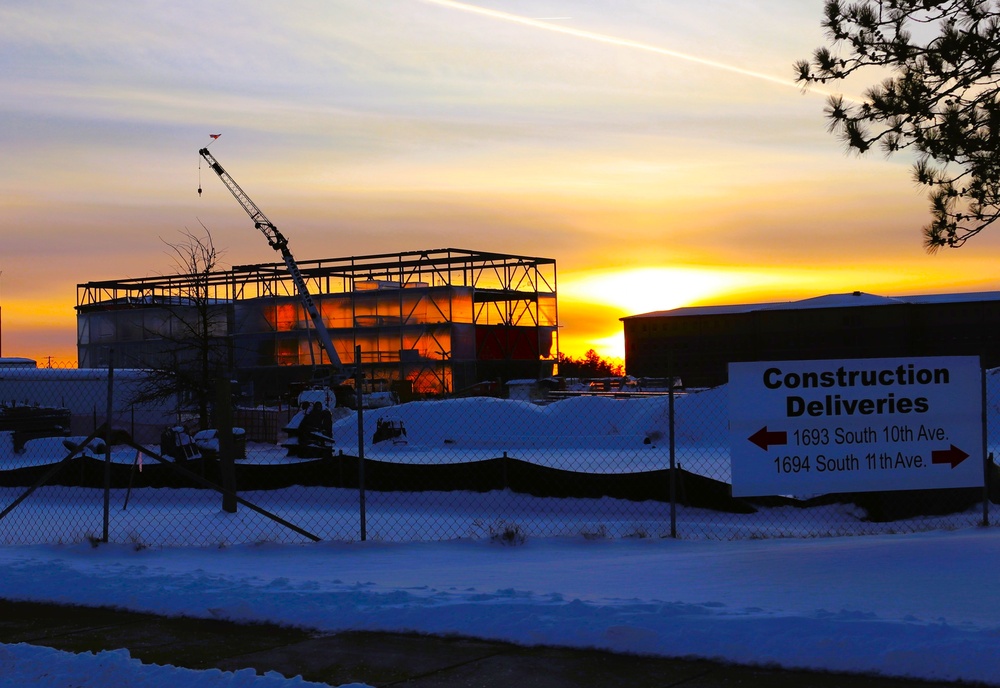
[(610, 40)]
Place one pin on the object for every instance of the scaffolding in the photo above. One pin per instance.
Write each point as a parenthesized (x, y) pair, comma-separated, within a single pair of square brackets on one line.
[(438, 321)]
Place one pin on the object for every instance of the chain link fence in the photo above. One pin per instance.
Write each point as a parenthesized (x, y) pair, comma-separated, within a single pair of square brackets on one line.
[(596, 466)]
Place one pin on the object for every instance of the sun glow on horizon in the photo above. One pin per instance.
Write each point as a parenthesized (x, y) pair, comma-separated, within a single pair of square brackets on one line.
[(591, 302), (643, 290), (631, 291)]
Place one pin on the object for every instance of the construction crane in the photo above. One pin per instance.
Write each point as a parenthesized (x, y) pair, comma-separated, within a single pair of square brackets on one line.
[(279, 243)]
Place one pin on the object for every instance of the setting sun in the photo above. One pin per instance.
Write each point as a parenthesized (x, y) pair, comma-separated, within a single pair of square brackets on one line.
[(642, 290), (619, 293)]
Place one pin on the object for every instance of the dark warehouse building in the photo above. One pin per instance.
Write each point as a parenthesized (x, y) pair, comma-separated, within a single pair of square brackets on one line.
[(697, 343)]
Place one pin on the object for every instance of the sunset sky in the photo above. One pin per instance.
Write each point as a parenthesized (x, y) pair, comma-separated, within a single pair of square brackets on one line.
[(657, 149)]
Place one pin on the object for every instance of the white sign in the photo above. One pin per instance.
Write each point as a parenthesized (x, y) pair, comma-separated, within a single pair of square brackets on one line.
[(855, 425)]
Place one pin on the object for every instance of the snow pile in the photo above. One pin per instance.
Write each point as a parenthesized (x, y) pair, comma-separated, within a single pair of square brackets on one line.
[(42, 667), (576, 422)]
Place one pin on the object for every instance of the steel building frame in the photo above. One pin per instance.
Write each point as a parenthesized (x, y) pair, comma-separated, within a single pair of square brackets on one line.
[(509, 292)]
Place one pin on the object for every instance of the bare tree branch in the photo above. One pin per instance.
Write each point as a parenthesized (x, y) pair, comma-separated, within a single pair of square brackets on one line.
[(192, 343)]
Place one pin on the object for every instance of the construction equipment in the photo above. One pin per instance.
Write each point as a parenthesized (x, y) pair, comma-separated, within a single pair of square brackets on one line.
[(279, 243)]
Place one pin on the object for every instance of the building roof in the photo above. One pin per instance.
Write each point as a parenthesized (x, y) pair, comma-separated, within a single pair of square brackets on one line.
[(488, 272), (848, 300), (17, 362)]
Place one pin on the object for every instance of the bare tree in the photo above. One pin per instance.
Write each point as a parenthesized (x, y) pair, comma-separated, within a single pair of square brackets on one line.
[(194, 348)]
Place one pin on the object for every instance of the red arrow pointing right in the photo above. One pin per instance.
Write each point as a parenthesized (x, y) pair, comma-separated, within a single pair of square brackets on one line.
[(953, 455), (764, 438)]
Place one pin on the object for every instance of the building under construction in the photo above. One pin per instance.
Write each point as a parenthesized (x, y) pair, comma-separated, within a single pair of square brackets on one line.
[(435, 322)]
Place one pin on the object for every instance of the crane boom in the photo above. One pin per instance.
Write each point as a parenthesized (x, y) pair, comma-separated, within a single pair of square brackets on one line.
[(279, 243)]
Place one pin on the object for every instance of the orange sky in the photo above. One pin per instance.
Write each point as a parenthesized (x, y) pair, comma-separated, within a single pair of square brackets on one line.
[(658, 151)]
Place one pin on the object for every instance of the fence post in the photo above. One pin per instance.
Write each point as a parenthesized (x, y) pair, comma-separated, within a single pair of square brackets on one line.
[(224, 429), (987, 458), (359, 377), (987, 464), (503, 465), (673, 456), (107, 445)]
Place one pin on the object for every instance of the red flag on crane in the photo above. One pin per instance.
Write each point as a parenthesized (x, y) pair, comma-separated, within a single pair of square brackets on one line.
[(215, 136)]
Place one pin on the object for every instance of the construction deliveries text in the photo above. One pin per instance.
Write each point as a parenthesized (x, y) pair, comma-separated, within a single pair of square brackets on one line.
[(836, 405)]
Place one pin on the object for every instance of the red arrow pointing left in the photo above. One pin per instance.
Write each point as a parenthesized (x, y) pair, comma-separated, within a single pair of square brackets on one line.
[(764, 438), (953, 455)]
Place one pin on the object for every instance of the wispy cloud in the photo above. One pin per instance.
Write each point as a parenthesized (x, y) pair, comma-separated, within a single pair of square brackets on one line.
[(547, 25)]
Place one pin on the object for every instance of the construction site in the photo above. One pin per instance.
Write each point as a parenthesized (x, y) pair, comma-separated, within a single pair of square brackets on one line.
[(428, 322)]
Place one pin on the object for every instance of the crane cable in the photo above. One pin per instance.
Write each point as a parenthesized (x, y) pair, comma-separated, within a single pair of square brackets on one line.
[(214, 137)]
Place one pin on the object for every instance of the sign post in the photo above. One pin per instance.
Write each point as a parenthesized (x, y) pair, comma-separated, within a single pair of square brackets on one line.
[(855, 425)]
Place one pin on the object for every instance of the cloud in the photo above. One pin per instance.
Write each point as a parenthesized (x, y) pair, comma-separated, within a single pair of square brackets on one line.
[(618, 41)]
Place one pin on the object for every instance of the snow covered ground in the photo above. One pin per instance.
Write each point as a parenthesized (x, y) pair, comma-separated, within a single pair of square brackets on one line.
[(922, 605)]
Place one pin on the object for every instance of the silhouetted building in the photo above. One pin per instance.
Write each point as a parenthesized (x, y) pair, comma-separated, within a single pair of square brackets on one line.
[(697, 343), (436, 321)]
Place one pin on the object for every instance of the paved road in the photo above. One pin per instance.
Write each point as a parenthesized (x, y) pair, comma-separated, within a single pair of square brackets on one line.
[(383, 659)]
